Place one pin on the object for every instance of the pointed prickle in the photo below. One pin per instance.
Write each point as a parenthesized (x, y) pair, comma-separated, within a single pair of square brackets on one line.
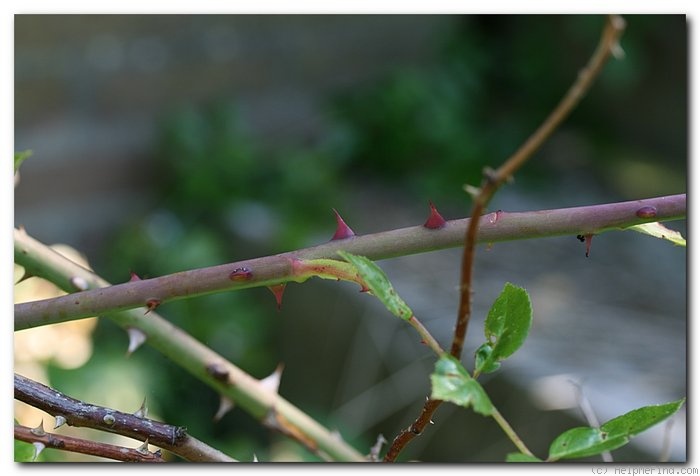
[(342, 230), (225, 406), (60, 421), (25, 277), (152, 304), (278, 291), (255, 458), (39, 430), (134, 277), (493, 217), (79, 283), (588, 239), (272, 381), (377, 448), (136, 338), (38, 448), (435, 220), (143, 449), (142, 411), (471, 190)]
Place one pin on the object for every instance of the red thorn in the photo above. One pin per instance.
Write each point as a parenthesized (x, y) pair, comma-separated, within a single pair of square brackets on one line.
[(241, 274), (134, 277), (588, 239), (435, 220), (364, 289), (342, 231), (278, 291), (151, 304)]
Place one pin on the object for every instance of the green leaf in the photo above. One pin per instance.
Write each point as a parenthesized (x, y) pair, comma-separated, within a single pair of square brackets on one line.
[(506, 328), (484, 361), (24, 452), (522, 458), (21, 157), (638, 420), (586, 441), (378, 284), (583, 441), (658, 230), (452, 383)]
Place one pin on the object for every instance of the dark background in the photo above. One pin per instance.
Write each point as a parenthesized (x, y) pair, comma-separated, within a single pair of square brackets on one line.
[(167, 142)]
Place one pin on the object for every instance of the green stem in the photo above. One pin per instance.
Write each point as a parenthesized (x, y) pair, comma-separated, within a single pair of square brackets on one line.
[(426, 336), (197, 359), (510, 432), (270, 270)]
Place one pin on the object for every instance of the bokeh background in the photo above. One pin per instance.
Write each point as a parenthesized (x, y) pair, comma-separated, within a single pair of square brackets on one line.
[(167, 142)]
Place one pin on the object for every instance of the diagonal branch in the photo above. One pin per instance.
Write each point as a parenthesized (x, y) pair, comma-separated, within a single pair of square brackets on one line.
[(211, 368), (276, 269), (77, 413), (86, 447)]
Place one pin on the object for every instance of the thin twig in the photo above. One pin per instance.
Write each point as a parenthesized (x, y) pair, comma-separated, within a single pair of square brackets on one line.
[(87, 447), (493, 179), (76, 413), (426, 336), (270, 270), (510, 432)]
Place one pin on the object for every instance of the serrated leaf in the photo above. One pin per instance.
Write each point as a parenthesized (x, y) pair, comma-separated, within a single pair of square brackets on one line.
[(587, 441), (21, 157), (522, 458), (378, 284), (452, 383), (658, 230), (507, 325)]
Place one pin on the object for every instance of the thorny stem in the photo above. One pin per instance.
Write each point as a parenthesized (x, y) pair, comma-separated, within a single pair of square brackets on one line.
[(211, 368), (270, 270), (76, 413), (86, 447), (608, 44), (494, 179)]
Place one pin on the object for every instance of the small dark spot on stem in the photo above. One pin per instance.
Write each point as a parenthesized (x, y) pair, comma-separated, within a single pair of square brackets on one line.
[(218, 371), (646, 212), (241, 274), (151, 304)]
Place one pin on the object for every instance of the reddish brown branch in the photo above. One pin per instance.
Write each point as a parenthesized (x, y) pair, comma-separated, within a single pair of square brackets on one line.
[(76, 413), (86, 447)]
